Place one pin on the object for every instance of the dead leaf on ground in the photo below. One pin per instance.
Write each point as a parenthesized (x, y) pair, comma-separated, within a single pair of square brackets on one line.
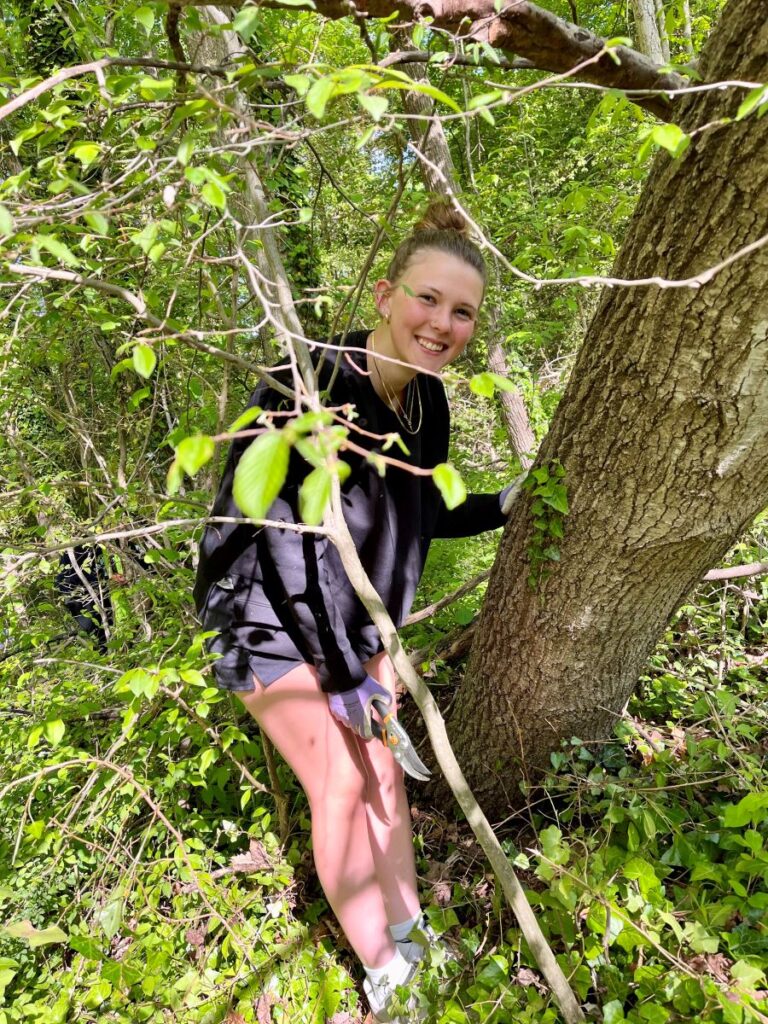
[(234, 1018), (443, 893), (255, 859), (716, 965), (264, 1008), (526, 977)]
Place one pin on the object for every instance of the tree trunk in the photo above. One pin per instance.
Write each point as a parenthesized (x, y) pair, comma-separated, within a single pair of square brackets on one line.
[(663, 433), (647, 38)]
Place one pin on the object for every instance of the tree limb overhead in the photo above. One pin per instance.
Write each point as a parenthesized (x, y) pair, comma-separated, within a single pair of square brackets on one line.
[(523, 30)]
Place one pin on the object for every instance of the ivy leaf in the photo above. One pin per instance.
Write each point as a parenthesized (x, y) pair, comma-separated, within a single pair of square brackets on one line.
[(261, 473), (146, 18), (448, 481), (750, 808), (314, 495), (144, 360), (34, 936), (194, 452)]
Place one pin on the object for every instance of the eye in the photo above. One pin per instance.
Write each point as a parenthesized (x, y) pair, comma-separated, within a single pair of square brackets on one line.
[(465, 314), (427, 297)]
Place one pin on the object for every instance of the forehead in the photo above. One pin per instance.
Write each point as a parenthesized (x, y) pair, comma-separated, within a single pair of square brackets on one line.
[(448, 274)]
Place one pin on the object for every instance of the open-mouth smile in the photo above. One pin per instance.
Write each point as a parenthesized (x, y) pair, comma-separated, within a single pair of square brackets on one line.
[(433, 347)]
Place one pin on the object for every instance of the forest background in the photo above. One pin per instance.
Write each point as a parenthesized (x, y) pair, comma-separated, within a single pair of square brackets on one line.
[(154, 853)]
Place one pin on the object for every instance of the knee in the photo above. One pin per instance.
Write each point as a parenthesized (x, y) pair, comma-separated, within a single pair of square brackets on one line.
[(386, 782), (341, 792)]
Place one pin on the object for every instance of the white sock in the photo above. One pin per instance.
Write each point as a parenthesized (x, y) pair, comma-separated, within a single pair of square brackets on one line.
[(400, 932), (395, 972)]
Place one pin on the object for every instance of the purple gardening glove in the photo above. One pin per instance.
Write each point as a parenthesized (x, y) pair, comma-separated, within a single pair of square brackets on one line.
[(353, 708)]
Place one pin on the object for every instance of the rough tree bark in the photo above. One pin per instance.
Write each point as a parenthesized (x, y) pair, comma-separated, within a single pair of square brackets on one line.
[(663, 432)]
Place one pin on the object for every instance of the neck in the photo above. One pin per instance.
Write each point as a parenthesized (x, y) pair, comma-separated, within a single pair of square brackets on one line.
[(389, 379)]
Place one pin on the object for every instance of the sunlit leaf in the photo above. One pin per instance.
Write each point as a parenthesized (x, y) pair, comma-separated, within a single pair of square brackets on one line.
[(314, 495), (261, 473), (144, 360), (448, 481)]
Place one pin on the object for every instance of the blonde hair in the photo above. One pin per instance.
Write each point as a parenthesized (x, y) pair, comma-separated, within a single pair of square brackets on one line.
[(443, 228)]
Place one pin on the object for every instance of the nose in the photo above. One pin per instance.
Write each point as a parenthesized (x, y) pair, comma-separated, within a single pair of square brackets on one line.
[(441, 320)]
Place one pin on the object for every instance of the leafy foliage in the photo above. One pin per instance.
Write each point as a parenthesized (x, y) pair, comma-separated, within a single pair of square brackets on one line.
[(152, 866)]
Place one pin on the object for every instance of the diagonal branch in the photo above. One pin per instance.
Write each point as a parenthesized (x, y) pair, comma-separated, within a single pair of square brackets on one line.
[(520, 29)]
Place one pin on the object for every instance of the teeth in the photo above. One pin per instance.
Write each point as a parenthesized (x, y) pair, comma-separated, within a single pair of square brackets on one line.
[(431, 346)]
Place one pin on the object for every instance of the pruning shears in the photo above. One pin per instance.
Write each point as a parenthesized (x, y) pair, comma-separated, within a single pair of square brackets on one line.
[(395, 738)]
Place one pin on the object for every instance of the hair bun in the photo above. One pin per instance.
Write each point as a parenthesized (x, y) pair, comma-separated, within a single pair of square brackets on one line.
[(441, 216)]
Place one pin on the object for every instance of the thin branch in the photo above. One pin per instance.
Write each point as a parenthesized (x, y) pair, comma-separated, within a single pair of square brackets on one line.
[(449, 766)]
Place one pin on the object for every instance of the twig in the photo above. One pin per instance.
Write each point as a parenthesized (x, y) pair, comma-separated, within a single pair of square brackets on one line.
[(446, 759)]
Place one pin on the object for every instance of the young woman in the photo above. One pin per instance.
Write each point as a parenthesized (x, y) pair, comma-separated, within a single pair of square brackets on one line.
[(296, 644)]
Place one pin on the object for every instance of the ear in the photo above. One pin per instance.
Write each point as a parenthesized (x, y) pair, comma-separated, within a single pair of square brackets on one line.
[(382, 291)]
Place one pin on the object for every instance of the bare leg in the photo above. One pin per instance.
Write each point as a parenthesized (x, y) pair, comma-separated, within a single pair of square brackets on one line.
[(389, 816), (327, 761)]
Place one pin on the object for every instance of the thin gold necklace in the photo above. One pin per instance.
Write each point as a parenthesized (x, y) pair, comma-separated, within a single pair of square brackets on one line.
[(392, 400)]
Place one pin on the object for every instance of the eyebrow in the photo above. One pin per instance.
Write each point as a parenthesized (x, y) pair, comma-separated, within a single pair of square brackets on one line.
[(432, 288)]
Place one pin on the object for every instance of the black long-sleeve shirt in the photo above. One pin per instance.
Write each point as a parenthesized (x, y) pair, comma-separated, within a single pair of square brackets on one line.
[(284, 596)]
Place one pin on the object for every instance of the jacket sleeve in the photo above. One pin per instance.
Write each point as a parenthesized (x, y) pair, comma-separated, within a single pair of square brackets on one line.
[(478, 513), (315, 591)]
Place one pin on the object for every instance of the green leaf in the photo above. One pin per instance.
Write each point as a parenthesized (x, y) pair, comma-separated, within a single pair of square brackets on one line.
[(7, 223), (214, 195), (756, 98), (146, 18), (246, 22), (750, 808), (314, 495), (35, 937), (613, 1012), (671, 138), (144, 360), (56, 248), (185, 150), (748, 975), (448, 481), (423, 87), (194, 452), (85, 152), (483, 99), (54, 730), (110, 917), (261, 473), (482, 384), (318, 96), (300, 83), (97, 222), (375, 105), (245, 419)]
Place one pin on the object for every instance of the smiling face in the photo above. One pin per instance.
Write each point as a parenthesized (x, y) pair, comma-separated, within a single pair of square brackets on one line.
[(432, 312)]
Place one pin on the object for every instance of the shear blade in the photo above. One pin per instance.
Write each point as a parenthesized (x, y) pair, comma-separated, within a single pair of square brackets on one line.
[(394, 736)]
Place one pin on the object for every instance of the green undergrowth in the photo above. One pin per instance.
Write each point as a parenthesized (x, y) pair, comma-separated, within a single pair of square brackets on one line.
[(143, 876)]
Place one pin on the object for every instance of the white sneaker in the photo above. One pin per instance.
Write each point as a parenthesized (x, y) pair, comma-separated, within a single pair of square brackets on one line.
[(382, 997)]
